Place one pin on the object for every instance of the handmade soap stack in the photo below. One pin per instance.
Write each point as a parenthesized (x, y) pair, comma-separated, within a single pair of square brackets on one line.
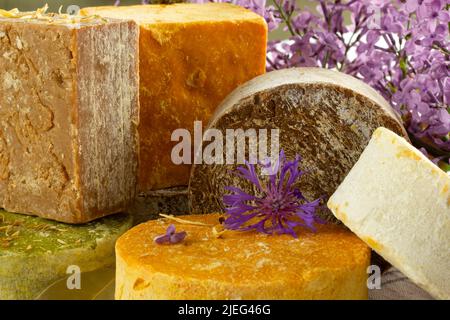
[(328, 118), (68, 143), (70, 110), (89, 111)]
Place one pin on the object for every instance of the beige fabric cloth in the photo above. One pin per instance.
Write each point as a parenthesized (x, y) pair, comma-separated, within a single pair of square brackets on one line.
[(396, 286)]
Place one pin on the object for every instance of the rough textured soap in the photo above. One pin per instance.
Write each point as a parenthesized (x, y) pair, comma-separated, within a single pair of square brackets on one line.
[(35, 252), (324, 116), (68, 115), (328, 264), (191, 56), (398, 202)]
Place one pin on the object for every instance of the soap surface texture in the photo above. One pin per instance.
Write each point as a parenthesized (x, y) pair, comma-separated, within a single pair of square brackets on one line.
[(36, 252), (328, 264), (68, 116)]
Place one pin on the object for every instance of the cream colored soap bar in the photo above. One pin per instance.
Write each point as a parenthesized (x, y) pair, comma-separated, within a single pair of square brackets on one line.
[(398, 202), (329, 264)]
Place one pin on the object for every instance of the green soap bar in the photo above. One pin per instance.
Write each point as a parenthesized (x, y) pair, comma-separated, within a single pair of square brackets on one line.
[(35, 252)]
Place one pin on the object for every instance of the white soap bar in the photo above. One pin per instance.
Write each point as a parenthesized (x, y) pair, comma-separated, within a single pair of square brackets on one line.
[(398, 202)]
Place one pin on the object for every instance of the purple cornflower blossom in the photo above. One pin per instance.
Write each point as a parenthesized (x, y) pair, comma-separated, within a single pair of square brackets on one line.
[(171, 237), (278, 206)]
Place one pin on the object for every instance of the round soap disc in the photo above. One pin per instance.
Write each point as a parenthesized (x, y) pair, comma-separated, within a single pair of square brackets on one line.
[(35, 252), (324, 116), (329, 264)]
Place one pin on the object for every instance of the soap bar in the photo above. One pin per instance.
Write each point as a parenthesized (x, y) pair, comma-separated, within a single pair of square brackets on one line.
[(324, 116), (398, 202), (328, 264), (192, 56), (35, 252), (68, 115)]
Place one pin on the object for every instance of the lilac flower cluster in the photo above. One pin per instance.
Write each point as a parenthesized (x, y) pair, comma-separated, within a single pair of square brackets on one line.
[(399, 47), (277, 207)]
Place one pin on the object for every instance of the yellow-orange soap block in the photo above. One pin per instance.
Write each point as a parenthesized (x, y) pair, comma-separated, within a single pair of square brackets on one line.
[(328, 264), (191, 57)]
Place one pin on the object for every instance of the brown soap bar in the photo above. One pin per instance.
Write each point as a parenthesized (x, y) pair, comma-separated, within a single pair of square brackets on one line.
[(68, 115), (324, 116)]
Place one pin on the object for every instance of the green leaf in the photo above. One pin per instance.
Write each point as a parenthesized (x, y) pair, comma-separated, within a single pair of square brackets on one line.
[(403, 65)]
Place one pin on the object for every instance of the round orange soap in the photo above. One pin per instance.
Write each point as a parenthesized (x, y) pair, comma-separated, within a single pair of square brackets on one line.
[(328, 264)]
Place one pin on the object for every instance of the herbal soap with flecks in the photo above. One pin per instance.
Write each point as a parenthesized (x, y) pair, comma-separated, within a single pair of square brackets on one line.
[(191, 57), (324, 116), (328, 264), (35, 252), (398, 202), (68, 115)]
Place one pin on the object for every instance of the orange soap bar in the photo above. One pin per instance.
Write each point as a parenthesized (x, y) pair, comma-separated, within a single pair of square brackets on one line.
[(191, 57), (328, 264)]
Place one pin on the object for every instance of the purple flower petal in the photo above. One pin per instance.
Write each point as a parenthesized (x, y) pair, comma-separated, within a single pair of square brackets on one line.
[(178, 237), (170, 230), (170, 237), (162, 239)]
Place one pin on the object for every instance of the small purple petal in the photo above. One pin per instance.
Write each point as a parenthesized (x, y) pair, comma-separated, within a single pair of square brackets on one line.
[(178, 237), (162, 239), (171, 237), (170, 230)]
